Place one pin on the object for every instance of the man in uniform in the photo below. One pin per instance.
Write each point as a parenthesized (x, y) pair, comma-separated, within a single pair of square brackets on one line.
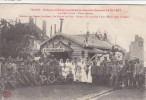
[(94, 73), (98, 68), (130, 74), (137, 72), (108, 73), (101, 73), (124, 73), (116, 74)]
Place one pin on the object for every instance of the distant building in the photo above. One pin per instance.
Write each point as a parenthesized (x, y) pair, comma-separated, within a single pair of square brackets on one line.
[(136, 49)]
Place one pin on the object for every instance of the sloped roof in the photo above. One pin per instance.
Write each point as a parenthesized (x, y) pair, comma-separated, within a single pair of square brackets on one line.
[(97, 51), (81, 40)]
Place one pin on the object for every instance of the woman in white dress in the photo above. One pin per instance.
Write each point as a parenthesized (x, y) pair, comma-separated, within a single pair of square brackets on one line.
[(67, 66), (73, 69), (83, 72), (64, 74), (78, 71), (61, 63), (89, 79)]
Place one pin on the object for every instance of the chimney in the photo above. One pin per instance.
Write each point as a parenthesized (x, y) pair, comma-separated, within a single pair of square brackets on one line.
[(31, 20), (61, 23), (51, 31), (44, 27), (136, 37), (54, 28), (87, 35)]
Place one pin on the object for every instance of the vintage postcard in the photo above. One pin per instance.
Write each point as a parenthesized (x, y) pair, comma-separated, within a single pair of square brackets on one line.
[(72, 52)]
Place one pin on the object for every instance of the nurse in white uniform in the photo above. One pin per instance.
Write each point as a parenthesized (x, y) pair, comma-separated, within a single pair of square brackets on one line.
[(83, 72), (73, 69), (89, 79), (67, 66)]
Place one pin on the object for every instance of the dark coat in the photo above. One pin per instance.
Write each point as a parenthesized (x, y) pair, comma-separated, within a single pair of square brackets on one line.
[(94, 70), (124, 70)]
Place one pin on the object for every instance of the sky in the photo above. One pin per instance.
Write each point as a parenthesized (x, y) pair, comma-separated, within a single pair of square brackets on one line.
[(121, 30)]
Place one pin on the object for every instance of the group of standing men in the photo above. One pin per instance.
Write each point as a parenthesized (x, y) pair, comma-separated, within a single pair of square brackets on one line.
[(117, 74)]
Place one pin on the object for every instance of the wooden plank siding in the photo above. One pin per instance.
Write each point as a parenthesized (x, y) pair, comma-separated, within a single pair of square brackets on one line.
[(77, 49)]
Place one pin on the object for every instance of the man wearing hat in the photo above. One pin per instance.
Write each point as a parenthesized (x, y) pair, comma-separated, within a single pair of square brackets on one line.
[(116, 76), (108, 73), (98, 68), (124, 73), (130, 74), (94, 73)]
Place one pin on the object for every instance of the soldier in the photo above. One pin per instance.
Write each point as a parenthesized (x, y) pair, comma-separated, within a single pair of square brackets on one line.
[(105, 62), (69, 78), (101, 72), (130, 74), (116, 73), (108, 73), (124, 73), (94, 73), (104, 78), (136, 73), (98, 68), (112, 74), (141, 77)]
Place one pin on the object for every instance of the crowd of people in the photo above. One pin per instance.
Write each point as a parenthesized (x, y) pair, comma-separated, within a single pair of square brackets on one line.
[(116, 74)]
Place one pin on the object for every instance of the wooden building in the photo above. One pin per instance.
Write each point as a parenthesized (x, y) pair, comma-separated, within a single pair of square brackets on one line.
[(75, 46)]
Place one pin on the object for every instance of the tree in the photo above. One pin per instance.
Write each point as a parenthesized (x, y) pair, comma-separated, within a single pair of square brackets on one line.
[(14, 37)]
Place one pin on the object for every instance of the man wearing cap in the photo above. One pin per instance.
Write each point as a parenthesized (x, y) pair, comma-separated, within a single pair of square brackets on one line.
[(98, 68), (108, 73), (124, 73), (137, 72), (130, 74), (116, 72), (94, 73)]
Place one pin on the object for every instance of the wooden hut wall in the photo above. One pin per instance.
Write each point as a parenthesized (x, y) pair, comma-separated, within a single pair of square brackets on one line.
[(77, 49)]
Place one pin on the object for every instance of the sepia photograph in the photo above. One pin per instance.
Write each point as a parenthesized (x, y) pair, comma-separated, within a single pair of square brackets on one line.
[(72, 52)]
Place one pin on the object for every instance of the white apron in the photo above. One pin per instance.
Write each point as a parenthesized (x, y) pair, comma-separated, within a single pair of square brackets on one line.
[(83, 73), (89, 79), (73, 69)]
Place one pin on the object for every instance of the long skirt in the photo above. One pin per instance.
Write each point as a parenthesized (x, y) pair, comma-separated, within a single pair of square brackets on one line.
[(74, 75), (89, 79), (83, 75)]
